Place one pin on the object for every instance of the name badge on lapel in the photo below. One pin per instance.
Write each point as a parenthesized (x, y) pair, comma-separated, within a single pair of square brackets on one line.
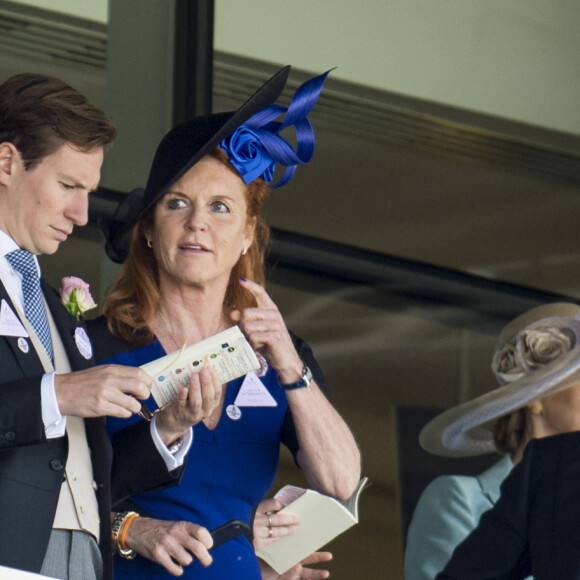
[(23, 345), (83, 343), (10, 324)]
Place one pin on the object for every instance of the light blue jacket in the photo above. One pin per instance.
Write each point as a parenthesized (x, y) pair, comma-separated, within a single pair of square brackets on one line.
[(447, 511)]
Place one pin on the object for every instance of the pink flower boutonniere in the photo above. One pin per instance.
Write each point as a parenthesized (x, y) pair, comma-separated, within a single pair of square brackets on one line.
[(76, 296)]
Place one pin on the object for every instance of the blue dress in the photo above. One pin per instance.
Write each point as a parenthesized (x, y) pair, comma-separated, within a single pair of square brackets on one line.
[(229, 471)]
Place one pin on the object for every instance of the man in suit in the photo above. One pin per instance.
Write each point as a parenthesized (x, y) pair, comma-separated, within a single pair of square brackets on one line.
[(57, 474)]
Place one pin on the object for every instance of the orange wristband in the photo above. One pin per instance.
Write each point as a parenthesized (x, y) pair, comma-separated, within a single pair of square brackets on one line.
[(126, 525)]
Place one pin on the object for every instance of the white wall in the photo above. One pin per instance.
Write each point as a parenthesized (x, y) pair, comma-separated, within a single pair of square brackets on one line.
[(91, 9), (518, 59)]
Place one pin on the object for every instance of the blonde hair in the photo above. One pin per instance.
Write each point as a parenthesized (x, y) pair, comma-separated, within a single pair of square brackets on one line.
[(134, 295), (510, 431)]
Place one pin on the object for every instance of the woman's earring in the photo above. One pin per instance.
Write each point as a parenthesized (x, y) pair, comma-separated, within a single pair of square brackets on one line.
[(244, 250), (536, 409), (149, 244)]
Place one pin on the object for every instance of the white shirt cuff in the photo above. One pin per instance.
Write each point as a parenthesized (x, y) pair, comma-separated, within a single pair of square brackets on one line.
[(171, 461), (54, 421)]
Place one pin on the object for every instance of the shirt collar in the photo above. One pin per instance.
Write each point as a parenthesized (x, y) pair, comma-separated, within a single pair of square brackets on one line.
[(7, 245)]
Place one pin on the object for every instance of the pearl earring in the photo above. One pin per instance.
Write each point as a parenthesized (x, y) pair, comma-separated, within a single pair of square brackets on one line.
[(244, 250)]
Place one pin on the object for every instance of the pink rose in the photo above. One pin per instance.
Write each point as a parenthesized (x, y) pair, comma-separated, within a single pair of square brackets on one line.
[(76, 296)]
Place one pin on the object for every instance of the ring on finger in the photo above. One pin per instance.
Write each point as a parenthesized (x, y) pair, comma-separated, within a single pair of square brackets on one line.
[(270, 532), (270, 522)]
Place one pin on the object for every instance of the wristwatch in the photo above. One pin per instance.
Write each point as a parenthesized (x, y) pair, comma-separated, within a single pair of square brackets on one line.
[(304, 380), (175, 446)]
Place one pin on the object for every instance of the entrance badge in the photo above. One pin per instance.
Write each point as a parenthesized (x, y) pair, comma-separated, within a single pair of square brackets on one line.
[(23, 345), (233, 412), (10, 325), (253, 393), (83, 343)]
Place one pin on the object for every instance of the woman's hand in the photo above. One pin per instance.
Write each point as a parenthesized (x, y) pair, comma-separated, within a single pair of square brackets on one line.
[(191, 405), (327, 452), (266, 331), (170, 544), (269, 525), (300, 571)]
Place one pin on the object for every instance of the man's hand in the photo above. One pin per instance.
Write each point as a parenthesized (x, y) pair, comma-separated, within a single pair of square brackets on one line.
[(102, 390), (170, 544)]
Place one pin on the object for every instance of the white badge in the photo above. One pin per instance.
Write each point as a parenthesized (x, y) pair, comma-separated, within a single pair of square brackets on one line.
[(83, 343), (10, 325), (23, 345), (253, 393), (233, 412)]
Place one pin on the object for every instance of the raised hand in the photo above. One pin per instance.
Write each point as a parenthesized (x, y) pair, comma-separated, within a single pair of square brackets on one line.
[(266, 331)]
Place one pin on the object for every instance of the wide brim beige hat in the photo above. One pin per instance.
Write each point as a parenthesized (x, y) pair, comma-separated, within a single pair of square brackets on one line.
[(467, 430)]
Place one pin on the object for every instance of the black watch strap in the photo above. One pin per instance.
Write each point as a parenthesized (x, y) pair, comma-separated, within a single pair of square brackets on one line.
[(304, 380)]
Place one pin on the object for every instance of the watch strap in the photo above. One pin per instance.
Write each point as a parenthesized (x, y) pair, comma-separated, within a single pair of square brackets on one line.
[(302, 382)]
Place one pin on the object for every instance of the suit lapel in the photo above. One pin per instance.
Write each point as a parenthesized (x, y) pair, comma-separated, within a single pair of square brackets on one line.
[(27, 359), (71, 331)]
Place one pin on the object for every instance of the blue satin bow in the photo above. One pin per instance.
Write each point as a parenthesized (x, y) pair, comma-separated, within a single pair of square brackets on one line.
[(255, 147)]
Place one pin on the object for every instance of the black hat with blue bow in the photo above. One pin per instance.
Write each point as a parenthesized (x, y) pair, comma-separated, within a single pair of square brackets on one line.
[(249, 136)]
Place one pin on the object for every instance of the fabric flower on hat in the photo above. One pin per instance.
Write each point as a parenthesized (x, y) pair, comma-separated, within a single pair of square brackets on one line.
[(530, 350), (76, 296), (248, 156), (543, 345), (505, 364), (256, 146)]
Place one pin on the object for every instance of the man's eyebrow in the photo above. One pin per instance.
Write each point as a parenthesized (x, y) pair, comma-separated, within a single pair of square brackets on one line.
[(76, 183)]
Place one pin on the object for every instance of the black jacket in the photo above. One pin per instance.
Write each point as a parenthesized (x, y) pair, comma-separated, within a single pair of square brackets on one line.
[(32, 467), (534, 528)]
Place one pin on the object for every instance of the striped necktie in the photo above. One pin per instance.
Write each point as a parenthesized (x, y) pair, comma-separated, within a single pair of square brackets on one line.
[(23, 262)]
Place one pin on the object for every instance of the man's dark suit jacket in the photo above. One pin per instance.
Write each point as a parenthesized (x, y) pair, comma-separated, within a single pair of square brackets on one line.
[(32, 467), (534, 528)]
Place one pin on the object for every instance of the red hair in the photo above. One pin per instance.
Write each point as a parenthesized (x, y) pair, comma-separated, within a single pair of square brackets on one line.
[(134, 296)]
